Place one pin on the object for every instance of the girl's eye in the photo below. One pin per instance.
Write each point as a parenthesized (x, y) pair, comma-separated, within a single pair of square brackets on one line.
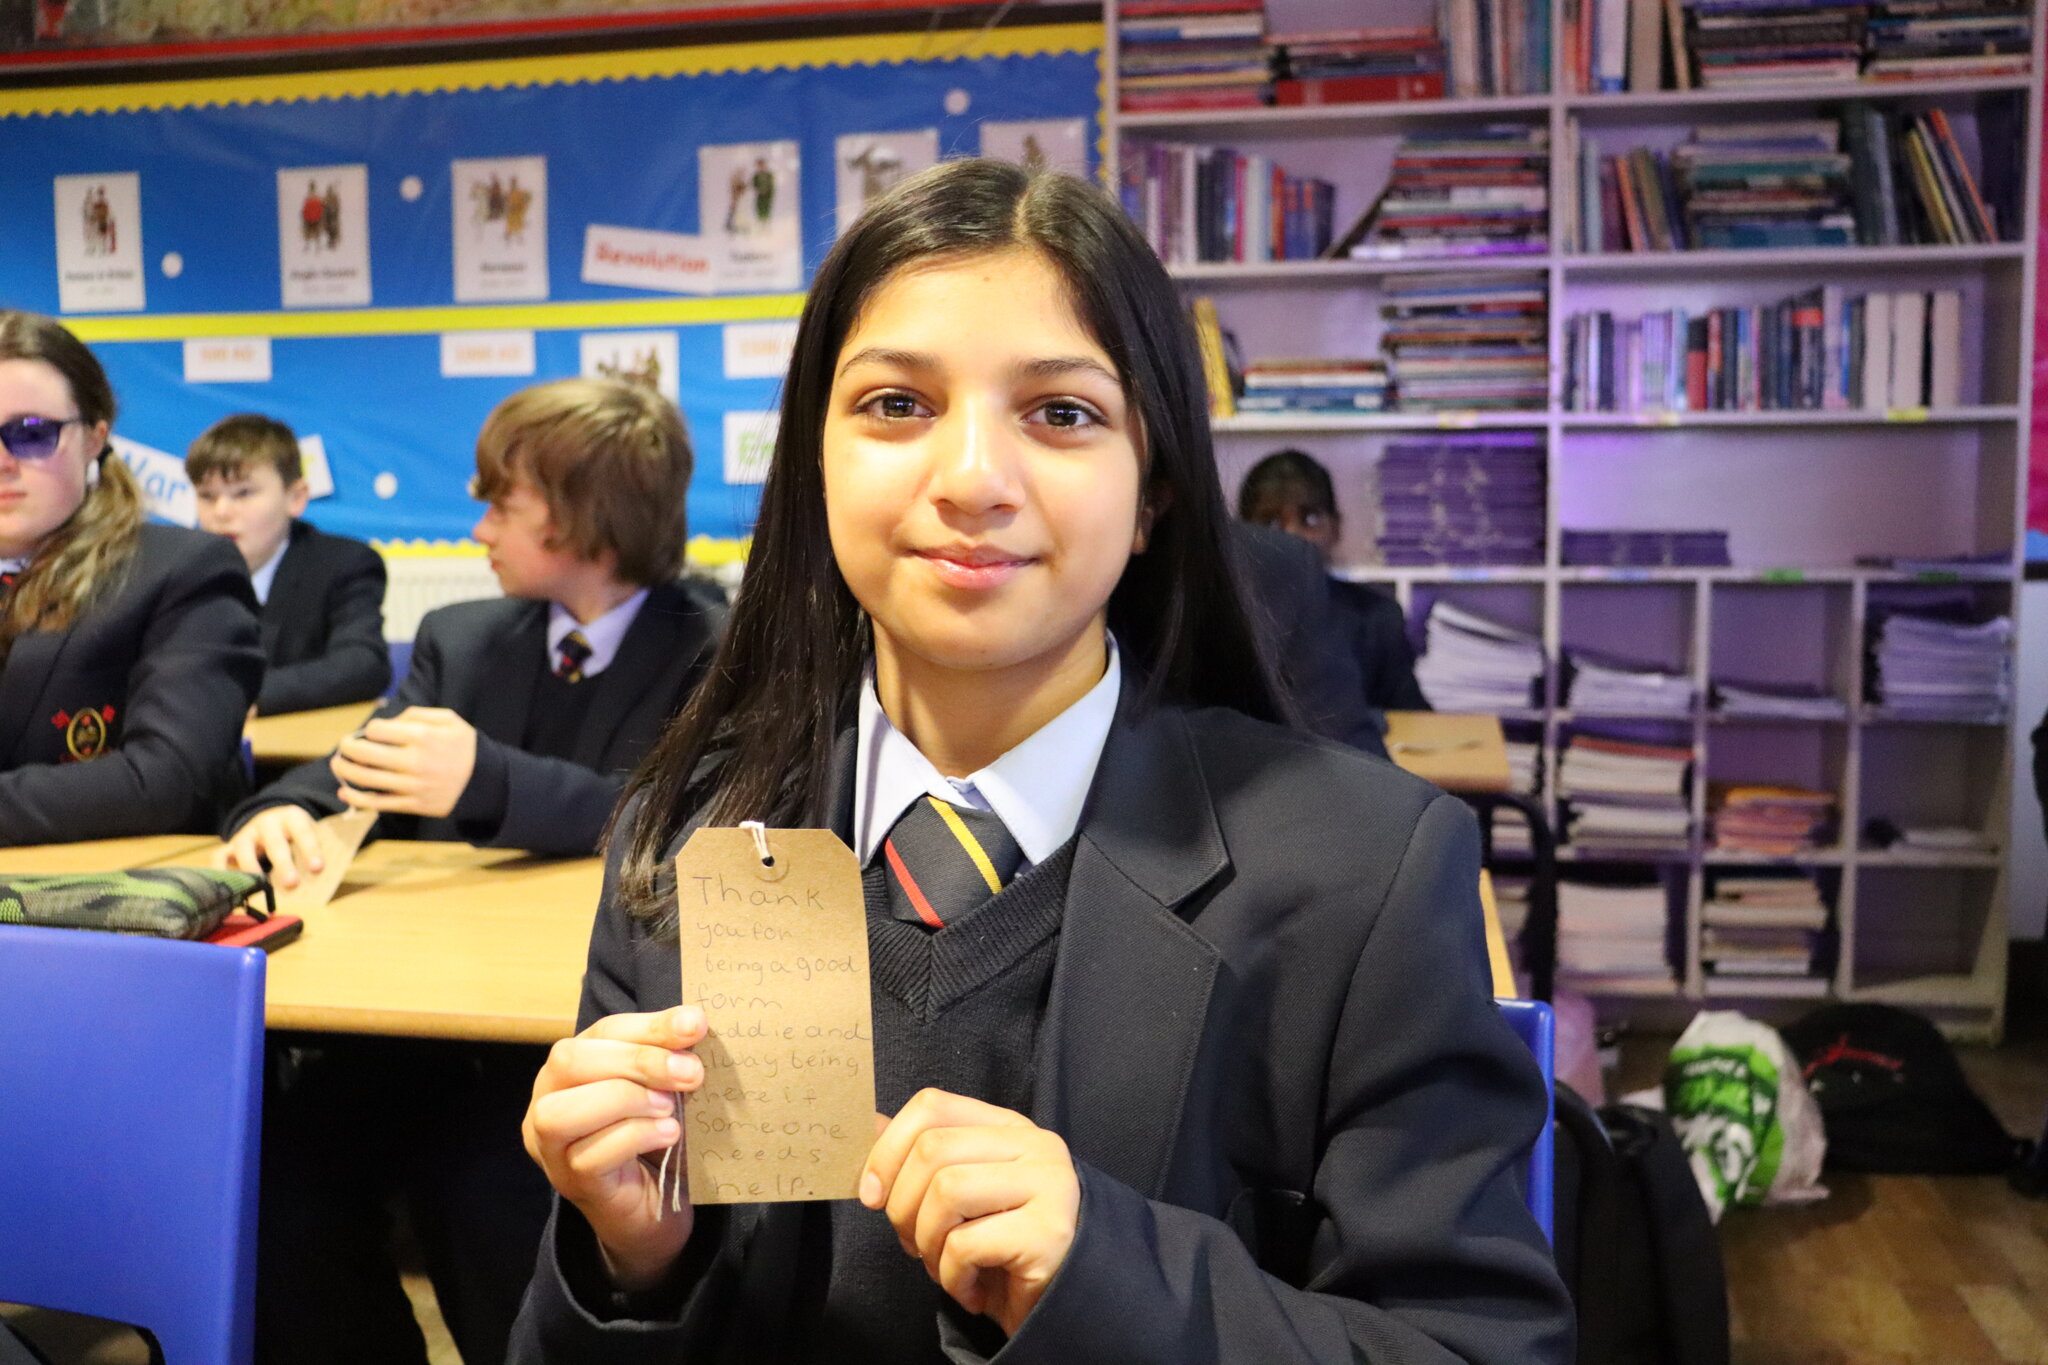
[(1068, 415), (894, 407)]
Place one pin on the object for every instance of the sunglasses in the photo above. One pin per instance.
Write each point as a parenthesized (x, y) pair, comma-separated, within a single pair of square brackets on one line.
[(34, 438)]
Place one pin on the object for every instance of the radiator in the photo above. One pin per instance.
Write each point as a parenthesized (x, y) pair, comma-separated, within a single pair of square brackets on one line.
[(422, 577)]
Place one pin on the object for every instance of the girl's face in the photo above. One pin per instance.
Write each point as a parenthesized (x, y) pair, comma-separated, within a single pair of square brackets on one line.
[(982, 470), (38, 494)]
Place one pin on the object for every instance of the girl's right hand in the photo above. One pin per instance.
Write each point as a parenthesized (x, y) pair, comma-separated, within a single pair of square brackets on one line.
[(605, 1099)]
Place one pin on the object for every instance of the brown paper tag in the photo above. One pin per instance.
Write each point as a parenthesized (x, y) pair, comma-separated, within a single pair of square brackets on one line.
[(341, 837), (777, 958)]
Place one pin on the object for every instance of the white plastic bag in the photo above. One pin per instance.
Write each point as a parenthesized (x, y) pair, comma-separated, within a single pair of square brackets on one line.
[(1735, 1094)]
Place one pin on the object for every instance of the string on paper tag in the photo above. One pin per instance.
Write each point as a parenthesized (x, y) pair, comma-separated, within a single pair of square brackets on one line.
[(772, 936)]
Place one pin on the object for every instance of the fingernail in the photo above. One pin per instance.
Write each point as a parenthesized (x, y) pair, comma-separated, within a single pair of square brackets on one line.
[(668, 1130), (689, 1018), (870, 1189), (685, 1068)]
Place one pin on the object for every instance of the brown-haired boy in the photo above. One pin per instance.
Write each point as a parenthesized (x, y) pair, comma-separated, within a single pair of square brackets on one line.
[(515, 726), (322, 596)]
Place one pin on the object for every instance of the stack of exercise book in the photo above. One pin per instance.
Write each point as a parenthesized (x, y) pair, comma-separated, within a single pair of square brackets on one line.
[(1525, 775), (1459, 192), (1777, 701), (1602, 548), (1744, 44), (1192, 54), (1760, 933), (1770, 821), (1470, 499), (1472, 664), (1924, 667), (1949, 39), (1614, 934), (1605, 685), (1312, 384), (1358, 66), (1624, 795), (1466, 341)]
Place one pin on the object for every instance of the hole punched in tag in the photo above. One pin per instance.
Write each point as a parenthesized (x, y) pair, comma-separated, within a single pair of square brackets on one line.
[(772, 869)]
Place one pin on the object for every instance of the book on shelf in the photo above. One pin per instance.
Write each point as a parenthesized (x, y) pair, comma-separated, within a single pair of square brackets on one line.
[(1215, 359), (1358, 66), (1496, 47), (1471, 191), (1769, 821), (1581, 548), (1471, 663), (1820, 350), (1950, 39), (1614, 932), (1624, 795), (1202, 57), (1314, 384), (1213, 205), (1466, 341), (1592, 683), (1776, 701), (1931, 660), (1476, 498)]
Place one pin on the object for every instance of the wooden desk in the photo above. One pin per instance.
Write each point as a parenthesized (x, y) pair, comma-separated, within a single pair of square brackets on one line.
[(424, 940), (1504, 987), (1458, 753), (302, 736)]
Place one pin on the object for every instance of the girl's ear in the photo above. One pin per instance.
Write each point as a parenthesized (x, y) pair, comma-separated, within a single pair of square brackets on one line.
[(1158, 497)]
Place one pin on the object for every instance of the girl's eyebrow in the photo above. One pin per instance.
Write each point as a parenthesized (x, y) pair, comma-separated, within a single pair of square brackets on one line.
[(1046, 367)]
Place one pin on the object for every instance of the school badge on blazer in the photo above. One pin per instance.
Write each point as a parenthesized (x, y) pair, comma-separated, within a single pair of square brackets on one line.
[(86, 734)]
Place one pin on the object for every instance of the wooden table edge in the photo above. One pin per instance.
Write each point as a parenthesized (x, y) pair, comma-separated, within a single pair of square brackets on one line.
[(476, 1028)]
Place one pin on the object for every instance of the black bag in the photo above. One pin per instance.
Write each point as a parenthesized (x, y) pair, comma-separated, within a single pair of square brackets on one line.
[(1893, 1097), (1634, 1241), (163, 902)]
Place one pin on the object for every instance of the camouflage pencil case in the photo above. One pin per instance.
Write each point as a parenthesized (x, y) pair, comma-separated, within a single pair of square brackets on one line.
[(163, 902)]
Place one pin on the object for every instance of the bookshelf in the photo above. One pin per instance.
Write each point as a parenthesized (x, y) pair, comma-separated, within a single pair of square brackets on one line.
[(1802, 493)]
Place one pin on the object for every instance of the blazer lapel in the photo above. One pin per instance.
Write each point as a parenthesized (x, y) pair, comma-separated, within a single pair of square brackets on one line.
[(510, 672), (282, 605), (30, 664), (666, 635), (1133, 979)]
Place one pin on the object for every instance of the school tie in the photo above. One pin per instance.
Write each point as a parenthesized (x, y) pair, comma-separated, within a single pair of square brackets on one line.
[(944, 860), (570, 656)]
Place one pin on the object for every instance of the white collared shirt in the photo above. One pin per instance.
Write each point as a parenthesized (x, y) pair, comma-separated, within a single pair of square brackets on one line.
[(603, 635), (1037, 788), (262, 578)]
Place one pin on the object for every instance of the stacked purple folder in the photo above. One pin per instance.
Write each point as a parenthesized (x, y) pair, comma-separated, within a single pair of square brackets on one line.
[(1470, 499), (1646, 549)]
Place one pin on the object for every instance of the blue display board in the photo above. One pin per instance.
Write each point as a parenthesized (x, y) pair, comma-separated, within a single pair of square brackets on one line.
[(624, 152)]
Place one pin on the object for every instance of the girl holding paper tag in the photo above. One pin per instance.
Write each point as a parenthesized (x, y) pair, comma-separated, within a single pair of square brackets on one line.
[(1181, 1017)]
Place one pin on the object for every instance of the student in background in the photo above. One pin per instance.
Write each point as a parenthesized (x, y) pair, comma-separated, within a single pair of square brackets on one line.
[(515, 726), (1214, 1074), (128, 653), (322, 596), (1291, 491)]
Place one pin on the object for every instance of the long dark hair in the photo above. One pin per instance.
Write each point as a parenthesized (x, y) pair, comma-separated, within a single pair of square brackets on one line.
[(88, 555), (755, 740)]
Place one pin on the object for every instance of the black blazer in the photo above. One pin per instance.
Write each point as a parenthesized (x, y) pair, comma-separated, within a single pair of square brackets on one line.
[(1306, 636), (1299, 1122), (484, 661), (1378, 633), (150, 685), (323, 624)]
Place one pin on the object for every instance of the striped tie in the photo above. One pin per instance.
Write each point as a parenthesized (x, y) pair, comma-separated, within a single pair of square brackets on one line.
[(570, 656), (944, 861)]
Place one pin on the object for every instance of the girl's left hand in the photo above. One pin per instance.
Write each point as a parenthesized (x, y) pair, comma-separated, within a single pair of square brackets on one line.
[(984, 1196)]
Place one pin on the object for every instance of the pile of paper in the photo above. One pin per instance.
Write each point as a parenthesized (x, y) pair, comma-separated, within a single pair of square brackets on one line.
[(1625, 795), (1626, 688), (1933, 669), (1778, 700), (1764, 929), (1613, 932), (1472, 664)]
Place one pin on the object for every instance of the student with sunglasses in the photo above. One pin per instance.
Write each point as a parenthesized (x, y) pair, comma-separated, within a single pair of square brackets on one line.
[(1207, 1069), (128, 652)]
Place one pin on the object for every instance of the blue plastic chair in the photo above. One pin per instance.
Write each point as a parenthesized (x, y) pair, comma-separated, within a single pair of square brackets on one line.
[(1536, 1026), (131, 1081)]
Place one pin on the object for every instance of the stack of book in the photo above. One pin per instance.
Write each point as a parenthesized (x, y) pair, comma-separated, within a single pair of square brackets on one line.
[(1744, 44), (1472, 664), (1770, 821), (1466, 341), (1510, 825), (1497, 47), (1644, 549), (1776, 184), (1459, 192), (1816, 350), (1624, 795), (1949, 39), (1761, 933), (1314, 384), (1616, 934), (1468, 500), (1192, 54), (1212, 204), (1913, 183), (1359, 66), (1929, 668), (1625, 689), (1777, 701)]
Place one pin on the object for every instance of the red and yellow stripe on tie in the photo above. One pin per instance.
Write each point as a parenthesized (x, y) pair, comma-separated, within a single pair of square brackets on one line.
[(969, 843)]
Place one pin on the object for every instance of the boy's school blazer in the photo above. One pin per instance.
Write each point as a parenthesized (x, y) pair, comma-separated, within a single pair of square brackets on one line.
[(484, 661), (1299, 1122), (323, 624), (130, 722)]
